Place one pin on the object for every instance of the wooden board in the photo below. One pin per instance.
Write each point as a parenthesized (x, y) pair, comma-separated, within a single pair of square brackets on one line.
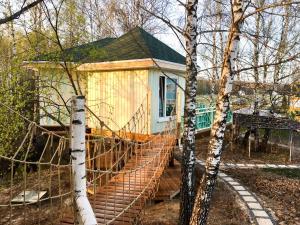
[(125, 194), (169, 185)]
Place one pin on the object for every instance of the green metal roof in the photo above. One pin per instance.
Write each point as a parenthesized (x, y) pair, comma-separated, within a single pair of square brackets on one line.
[(136, 44)]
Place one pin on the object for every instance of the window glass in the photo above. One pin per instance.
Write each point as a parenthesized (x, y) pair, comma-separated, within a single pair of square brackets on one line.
[(171, 97), (161, 96)]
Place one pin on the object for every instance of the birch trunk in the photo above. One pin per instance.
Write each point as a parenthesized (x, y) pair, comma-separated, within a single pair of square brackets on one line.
[(85, 214), (188, 156), (202, 202)]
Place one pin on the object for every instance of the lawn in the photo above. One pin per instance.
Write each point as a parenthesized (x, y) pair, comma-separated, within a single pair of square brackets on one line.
[(286, 172)]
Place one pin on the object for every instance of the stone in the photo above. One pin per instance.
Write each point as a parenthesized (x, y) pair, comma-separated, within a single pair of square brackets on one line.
[(244, 192), (222, 175), (249, 199), (282, 166), (260, 213), (250, 165), (230, 164), (228, 179), (239, 188), (253, 205), (233, 183), (264, 221), (261, 165)]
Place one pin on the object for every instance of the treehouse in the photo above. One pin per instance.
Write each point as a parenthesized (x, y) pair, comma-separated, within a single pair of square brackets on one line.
[(119, 77)]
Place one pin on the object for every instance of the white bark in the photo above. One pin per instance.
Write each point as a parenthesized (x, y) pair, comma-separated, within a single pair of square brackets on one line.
[(202, 203), (85, 214), (188, 159)]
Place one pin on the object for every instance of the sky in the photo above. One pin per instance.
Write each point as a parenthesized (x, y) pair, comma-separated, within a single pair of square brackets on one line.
[(177, 12)]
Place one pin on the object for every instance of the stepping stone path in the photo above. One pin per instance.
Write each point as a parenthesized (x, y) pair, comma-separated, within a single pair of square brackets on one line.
[(254, 166), (248, 166), (256, 210)]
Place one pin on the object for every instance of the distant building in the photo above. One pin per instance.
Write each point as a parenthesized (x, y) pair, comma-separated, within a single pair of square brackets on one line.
[(117, 76)]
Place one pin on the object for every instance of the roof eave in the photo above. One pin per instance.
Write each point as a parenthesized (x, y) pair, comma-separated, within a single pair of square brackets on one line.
[(147, 63), (36, 65)]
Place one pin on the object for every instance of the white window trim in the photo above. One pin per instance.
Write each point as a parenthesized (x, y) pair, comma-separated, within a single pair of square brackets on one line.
[(166, 118)]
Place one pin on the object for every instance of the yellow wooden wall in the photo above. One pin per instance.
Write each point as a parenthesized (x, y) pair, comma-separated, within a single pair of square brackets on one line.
[(54, 90), (116, 95)]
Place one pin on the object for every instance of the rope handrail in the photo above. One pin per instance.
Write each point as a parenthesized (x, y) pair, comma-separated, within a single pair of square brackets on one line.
[(116, 163), (144, 189), (41, 163), (30, 121), (153, 154)]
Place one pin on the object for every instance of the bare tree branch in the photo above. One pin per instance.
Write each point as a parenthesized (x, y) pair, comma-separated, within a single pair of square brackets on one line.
[(17, 14)]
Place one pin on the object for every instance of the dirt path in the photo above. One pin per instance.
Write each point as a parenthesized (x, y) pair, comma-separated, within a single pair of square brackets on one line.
[(224, 210)]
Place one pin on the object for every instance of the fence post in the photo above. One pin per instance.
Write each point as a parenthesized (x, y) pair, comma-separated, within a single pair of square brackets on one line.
[(290, 145), (84, 212), (249, 145)]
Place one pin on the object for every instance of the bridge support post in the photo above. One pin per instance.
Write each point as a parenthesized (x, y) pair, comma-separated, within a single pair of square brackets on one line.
[(84, 212)]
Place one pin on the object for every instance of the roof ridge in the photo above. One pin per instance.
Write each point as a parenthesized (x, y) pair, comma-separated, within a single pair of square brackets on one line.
[(135, 44), (90, 43)]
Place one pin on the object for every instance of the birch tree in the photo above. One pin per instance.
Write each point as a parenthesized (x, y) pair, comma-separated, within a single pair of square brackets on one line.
[(188, 157), (204, 194)]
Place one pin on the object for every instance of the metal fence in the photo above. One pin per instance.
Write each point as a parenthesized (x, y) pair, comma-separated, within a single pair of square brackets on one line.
[(205, 117)]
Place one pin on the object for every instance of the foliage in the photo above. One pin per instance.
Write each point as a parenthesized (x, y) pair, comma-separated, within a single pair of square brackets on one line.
[(15, 93)]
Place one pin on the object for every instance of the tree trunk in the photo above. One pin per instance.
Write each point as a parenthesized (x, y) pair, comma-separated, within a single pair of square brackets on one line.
[(202, 203), (264, 144), (246, 137), (188, 157), (84, 211), (256, 139)]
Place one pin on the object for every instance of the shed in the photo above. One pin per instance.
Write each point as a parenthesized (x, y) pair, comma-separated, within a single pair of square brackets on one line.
[(117, 77)]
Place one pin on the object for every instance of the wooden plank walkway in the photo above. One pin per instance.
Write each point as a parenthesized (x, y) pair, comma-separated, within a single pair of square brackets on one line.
[(121, 200)]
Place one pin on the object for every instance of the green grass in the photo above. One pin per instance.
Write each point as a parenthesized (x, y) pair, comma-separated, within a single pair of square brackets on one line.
[(290, 173)]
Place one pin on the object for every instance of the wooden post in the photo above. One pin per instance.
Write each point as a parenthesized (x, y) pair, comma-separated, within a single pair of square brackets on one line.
[(249, 146), (290, 144), (232, 136), (83, 209), (147, 111)]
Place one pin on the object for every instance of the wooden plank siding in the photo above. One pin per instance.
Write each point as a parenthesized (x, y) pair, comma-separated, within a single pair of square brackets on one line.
[(116, 95), (54, 91)]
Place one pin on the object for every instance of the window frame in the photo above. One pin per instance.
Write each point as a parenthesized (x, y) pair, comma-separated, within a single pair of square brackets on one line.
[(165, 118)]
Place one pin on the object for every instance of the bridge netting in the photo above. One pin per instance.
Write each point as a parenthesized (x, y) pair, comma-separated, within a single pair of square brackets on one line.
[(122, 169)]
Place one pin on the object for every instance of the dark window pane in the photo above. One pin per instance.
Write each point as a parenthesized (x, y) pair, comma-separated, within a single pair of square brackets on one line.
[(161, 96), (171, 97)]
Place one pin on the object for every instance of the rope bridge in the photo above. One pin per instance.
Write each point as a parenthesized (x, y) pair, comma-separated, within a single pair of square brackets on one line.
[(38, 186)]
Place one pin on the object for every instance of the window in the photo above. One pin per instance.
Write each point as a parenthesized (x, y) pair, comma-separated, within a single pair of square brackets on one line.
[(161, 96), (167, 96)]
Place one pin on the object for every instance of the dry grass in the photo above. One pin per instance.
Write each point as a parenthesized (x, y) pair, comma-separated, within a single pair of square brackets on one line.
[(49, 211), (224, 210)]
